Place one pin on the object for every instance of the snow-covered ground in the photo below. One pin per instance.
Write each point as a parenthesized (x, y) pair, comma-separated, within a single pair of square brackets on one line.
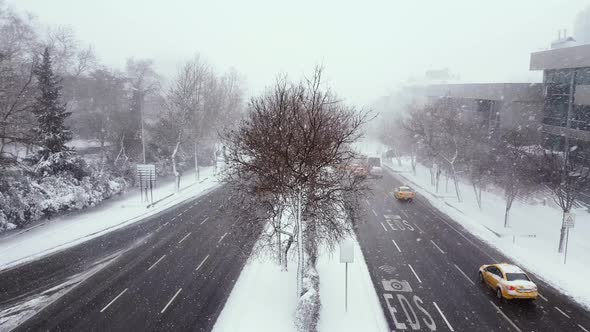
[(49, 236), (264, 298), (536, 254)]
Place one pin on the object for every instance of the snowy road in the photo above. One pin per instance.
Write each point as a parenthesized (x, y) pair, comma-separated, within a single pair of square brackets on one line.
[(177, 275), (424, 270)]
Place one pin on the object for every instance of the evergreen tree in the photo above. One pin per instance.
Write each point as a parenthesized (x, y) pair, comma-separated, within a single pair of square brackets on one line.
[(51, 132)]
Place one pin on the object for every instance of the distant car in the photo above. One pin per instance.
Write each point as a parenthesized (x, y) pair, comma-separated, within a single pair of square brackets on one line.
[(376, 172), (508, 281), (404, 193)]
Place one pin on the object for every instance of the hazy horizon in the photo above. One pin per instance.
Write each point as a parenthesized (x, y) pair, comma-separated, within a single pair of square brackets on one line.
[(368, 48)]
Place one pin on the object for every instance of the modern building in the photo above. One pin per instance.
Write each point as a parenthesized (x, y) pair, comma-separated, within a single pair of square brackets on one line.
[(559, 106)]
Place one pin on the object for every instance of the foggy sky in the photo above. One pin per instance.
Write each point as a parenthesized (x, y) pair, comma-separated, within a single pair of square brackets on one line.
[(368, 47)]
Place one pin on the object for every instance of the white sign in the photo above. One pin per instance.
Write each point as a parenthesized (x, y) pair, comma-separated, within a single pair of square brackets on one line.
[(146, 172), (569, 220), (346, 251)]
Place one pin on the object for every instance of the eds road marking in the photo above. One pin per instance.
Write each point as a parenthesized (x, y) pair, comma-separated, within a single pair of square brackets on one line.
[(385, 228), (543, 297), (443, 317), (170, 302), (506, 317), (368, 203), (158, 261), (439, 249), (563, 313), (203, 262), (115, 299), (184, 238), (463, 273), (415, 274), (580, 326), (398, 249), (202, 222), (375, 213)]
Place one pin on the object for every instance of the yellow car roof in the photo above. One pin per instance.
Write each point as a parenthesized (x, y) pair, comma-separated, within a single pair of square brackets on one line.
[(509, 268)]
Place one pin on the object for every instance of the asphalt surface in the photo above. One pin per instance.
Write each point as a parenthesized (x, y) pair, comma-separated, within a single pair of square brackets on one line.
[(172, 272), (424, 270)]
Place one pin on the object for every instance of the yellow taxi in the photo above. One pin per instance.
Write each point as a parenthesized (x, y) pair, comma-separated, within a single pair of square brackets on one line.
[(508, 281), (404, 193)]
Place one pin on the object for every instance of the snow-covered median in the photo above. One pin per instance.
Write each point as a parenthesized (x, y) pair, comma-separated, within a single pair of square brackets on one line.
[(536, 254), (60, 233), (265, 298)]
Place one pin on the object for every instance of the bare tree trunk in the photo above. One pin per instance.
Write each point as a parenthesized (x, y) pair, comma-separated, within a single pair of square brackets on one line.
[(174, 170), (196, 164), (437, 178), (477, 195), (509, 199), (413, 159), (456, 182), (561, 247), (300, 242)]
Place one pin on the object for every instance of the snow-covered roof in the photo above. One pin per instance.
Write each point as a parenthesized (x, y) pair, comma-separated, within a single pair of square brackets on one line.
[(509, 268)]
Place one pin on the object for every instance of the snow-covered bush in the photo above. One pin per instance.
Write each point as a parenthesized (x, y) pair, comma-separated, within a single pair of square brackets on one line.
[(56, 189), (63, 162), (307, 314)]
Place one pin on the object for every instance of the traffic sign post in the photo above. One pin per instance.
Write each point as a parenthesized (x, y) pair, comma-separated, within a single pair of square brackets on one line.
[(569, 220), (147, 179), (346, 256)]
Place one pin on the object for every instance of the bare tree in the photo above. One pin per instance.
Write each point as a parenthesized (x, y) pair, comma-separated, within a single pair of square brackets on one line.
[(294, 146), (566, 173)]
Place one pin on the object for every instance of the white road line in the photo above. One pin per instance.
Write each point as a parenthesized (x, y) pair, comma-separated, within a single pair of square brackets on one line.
[(398, 249), (184, 238), (368, 203), (506, 317), (166, 223), (173, 219), (420, 229), (543, 297), (180, 214), (203, 262), (170, 302), (439, 249), (416, 275), (493, 259), (405, 214), (385, 228), (583, 329), (221, 238), (375, 213), (443, 316), (563, 313), (115, 299), (202, 222), (463, 273), (158, 261)]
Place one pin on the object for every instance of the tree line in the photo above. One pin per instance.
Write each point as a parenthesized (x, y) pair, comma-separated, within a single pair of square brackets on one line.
[(53, 89), (460, 144)]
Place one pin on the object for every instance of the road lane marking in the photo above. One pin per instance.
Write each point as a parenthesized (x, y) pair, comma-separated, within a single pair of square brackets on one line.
[(203, 262), (405, 214), (580, 326), (173, 219), (415, 274), (368, 203), (563, 313), (202, 222), (115, 299), (493, 259), (221, 238), (420, 229), (443, 316), (180, 214), (465, 275), (439, 249), (506, 317), (158, 261), (375, 213), (184, 238), (385, 228), (170, 302), (398, 249), (543, 297)]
